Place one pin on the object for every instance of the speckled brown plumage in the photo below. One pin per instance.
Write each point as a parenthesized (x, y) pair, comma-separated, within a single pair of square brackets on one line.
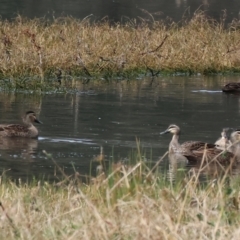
[(196, 151), (27, 129)]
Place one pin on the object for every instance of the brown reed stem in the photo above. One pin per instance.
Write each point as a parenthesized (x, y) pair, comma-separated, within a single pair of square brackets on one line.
[(15, 230)]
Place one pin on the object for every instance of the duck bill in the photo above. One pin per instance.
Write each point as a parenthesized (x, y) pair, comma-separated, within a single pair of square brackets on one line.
[(164, 132), (37, 121)]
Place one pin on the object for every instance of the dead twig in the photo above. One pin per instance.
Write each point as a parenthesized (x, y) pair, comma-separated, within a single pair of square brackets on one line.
[(157, 48)]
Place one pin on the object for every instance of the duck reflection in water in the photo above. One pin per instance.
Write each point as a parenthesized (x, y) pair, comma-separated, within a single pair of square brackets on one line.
[(27, 147), (177, 166)]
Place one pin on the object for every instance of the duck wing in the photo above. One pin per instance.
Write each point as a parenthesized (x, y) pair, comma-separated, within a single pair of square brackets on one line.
[(13, 130), (192, 149), (211, 154), (196, 151), (196, 145)]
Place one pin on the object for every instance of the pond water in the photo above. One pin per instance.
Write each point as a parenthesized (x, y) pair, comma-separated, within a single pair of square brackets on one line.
[(113, 116), (121, 11)]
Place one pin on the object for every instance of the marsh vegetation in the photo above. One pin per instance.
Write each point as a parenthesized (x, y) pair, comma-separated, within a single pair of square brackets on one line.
[(122, 202), (34, 52)]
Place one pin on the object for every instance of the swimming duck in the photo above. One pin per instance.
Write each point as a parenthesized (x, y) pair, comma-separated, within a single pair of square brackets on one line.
[(235, 142), (231, 137), (232, 87), (224, 141), (27, 130), (195, 151)]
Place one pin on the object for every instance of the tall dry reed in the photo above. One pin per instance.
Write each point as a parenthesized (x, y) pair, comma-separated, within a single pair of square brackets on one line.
[(70, 47), (130, 202)]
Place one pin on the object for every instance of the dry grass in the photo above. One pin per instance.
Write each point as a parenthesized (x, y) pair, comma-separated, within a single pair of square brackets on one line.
[(128, 203), (69, 47)]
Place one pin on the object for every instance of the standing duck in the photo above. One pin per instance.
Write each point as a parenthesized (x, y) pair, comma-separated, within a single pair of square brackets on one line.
[(27, 129), (196, 151)]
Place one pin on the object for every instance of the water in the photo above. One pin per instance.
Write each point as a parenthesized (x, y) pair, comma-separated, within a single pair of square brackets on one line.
[(121, 10), (114, 116)]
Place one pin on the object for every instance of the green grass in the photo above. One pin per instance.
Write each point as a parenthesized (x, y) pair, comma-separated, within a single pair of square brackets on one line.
[(41, 54)]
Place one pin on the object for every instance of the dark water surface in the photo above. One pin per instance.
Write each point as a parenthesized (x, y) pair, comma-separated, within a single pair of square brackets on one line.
[(111, 116), (117, 10)]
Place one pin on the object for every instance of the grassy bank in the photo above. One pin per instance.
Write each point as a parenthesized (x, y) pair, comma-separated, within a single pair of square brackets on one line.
[(125, 203), (66, 48)]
